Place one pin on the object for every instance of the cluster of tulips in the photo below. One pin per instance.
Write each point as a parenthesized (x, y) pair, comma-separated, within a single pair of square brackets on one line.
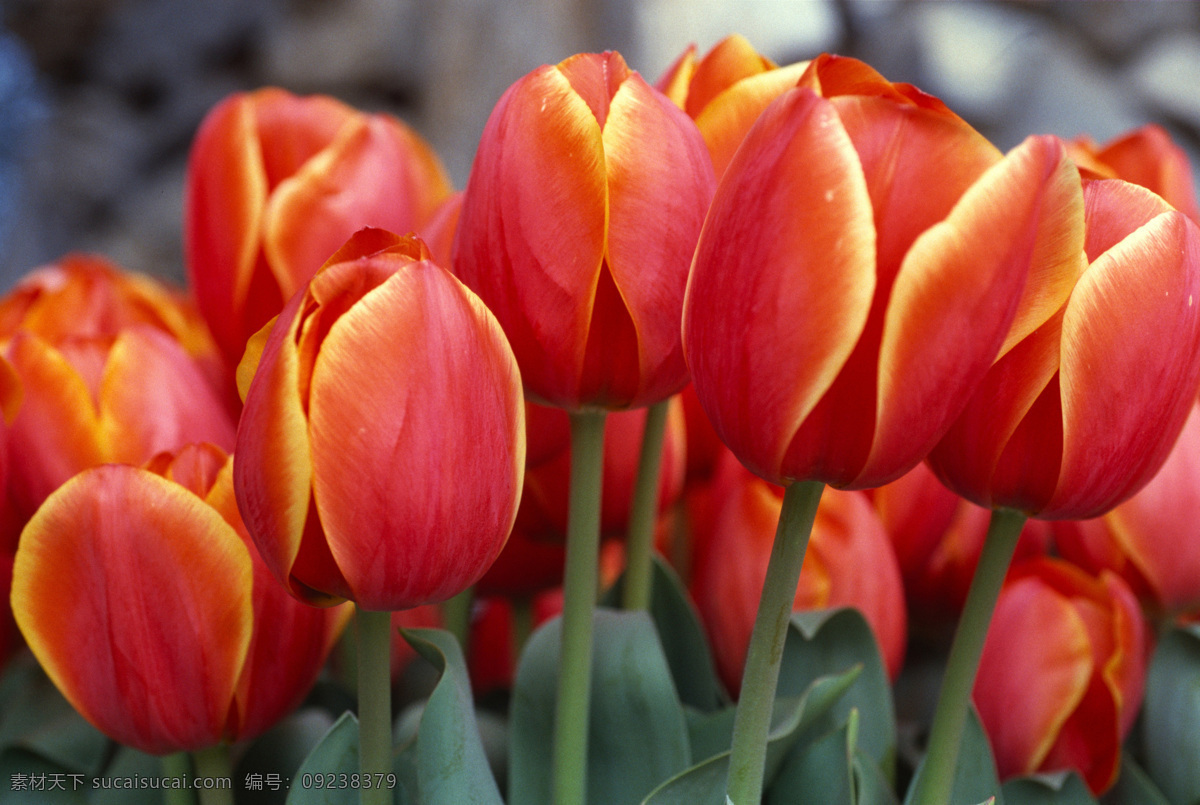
[(702, 406)]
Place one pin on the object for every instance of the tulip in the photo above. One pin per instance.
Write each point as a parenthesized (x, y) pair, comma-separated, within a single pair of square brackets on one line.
[(348, 477), (276, 183), (1146, 156), (231, 653), (726, 91), (577, 229), (1062, 673), (849, 562), (1150, 540)]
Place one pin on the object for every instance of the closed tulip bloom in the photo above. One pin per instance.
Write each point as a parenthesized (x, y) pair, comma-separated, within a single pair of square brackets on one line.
[(381, 447), (577, 229), (1063, 671), (140, 594), (276, 183), (1146, 156), (725, 91), (860, 268), (1081, 412), (1151, 540), (849, 562)]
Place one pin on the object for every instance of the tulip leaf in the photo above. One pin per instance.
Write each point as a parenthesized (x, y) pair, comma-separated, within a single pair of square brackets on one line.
[(1048, 789), (637, 733), (336, 754), (704, 783), (130, 764), (871, 785), (452, 766), (40, 720), (819, 772), (27, 778), (276, 755), (1133, 787), (824, 642), (683, 639), (975, 779), (1171, 715)]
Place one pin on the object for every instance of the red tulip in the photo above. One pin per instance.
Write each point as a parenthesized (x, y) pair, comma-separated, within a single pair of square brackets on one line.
[(577, 230), (1147, 157), (938, 538), (141, 596), (277, 183), (1152, 540), (849, 562), (1062, 672), (381, 448), (725, 92), (1082, 409), (860, 267)]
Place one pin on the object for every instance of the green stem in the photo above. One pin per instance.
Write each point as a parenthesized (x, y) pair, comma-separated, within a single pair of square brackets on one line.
[(580, 585), (935, 780), (752, 723), (178, 765), (214, 775), (456, 615), (643, 513), (374, 699)]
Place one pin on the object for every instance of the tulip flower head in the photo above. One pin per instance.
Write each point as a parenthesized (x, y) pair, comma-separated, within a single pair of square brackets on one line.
[(577, 229), (859, 269), (382, 444), (1145, 156), (140, 594)]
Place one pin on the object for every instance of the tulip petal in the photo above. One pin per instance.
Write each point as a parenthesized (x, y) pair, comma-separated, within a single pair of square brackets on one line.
[(659, 185), (954, 299), (415, 511), (730, 61), (1113, 209), (375, 173), (135, 597), (533, 226), (807, 284), (1130, 364)]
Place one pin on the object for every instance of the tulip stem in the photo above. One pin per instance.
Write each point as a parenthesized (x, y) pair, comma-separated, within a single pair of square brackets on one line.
[(639, 552), (752, 722), (178, 766), (580, 586), (935, 779), (214, 775), (374, 641), (456, 615)]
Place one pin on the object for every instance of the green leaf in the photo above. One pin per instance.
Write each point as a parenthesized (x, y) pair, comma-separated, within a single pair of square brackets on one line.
[(826, 642), (704, 783), (452, 767), (129, 764), (1171, 716), (1133, 787), (27, 778), (871, 785), (1048, 789), (820, 772), (975, 779), (280, 751), (39, 719), (637, 734), (684, 641), (336, 754)]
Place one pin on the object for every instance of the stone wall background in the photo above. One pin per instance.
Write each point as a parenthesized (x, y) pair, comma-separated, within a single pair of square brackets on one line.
[(99, 98)]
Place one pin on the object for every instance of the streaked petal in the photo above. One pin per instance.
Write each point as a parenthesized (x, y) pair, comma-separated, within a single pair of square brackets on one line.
[(136, 598)]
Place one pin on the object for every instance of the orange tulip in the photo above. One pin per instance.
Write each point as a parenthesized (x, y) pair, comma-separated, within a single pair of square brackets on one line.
[(726, 91), (1083, 407), (1062, 673), (1152, 540), (860, 267), (139, 592), (849, 562), (577, 229), (382, 445), (1146, 156), (276, 184)]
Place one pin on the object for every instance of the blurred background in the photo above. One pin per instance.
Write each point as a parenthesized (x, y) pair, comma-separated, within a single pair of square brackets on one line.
[(99, 99)]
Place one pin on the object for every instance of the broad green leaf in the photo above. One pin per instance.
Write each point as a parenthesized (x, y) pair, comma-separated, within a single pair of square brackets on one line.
[(1048, 789), (871, 786), (704, 782), (637, 733), (1171, 716), (683, 639), (828, 642), (452, 767), (128, 765), (1133, 787), (39, 719), (272, 760), (336, 754), (975, 779), (27, 778), (819, 773)]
